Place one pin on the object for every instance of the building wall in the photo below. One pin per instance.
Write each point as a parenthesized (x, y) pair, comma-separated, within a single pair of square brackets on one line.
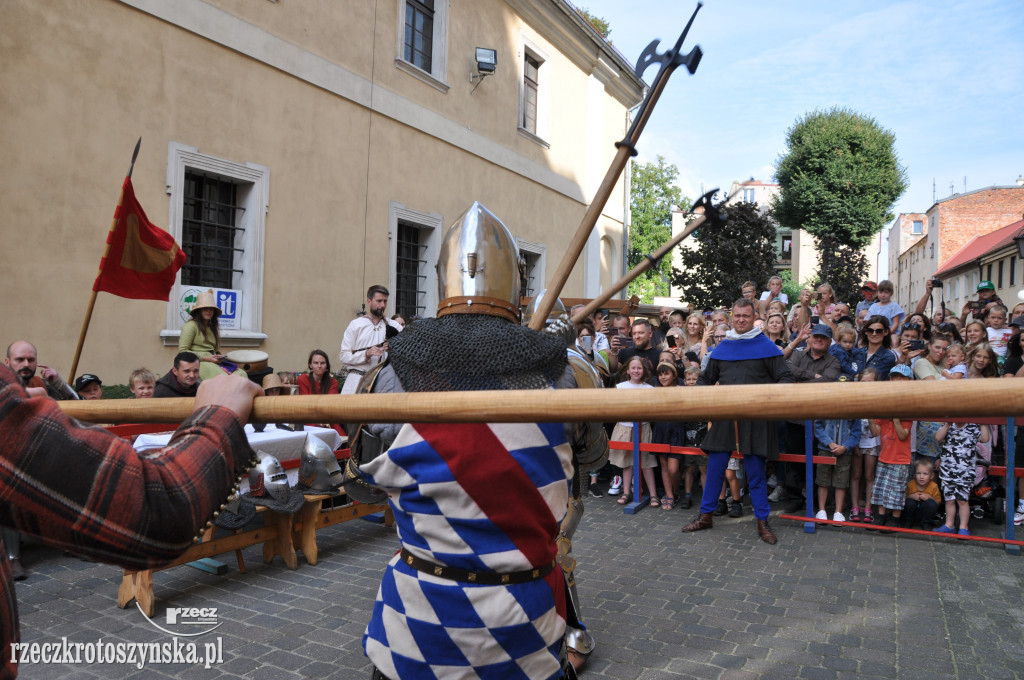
[(949, 225), (905, 231), (310, 95)]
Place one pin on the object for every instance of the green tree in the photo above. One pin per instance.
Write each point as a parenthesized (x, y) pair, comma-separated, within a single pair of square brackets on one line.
[(839, 177), (599, 23), (653, 193), (842, 266), (717, 260)]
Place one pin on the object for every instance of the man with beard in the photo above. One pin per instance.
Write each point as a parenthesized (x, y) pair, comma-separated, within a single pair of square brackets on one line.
[(745, 357), (364, 344), (22, 359)]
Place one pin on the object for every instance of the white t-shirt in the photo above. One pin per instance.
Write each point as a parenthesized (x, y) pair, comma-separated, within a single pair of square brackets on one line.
[(767, 295), (626, 385), (999, 338)]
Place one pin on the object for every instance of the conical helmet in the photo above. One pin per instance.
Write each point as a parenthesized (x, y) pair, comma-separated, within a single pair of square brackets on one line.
[(478, 267)]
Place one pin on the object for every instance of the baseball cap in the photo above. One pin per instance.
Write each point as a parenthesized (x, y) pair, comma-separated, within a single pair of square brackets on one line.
[(986, 285), (822, 329), (901, 369), (869, 285), (1018, 321), (85, 379)]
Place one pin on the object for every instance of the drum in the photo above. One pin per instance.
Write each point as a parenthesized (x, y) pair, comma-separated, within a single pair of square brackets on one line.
[(248, 360)]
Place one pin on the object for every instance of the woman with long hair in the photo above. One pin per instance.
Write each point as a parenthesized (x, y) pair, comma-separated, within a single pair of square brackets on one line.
[(693, 335), (201, 336), (319, 379), (876, 338)]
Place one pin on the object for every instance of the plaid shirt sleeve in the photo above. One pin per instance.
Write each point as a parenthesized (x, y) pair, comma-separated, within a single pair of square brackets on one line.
[(90, 492)]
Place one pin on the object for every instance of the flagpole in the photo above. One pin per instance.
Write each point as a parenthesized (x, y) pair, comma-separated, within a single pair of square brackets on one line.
[(106, 251)]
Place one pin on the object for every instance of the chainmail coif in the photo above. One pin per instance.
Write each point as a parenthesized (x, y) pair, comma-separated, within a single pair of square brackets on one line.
[(463, 352)]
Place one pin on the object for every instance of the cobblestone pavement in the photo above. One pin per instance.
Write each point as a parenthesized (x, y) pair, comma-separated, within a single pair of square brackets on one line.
[(839, 603)]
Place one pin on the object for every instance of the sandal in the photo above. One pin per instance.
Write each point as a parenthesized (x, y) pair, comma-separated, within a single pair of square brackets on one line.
[(655, 503), (667, 503), (624, 498), (867, 517), (855, 514)]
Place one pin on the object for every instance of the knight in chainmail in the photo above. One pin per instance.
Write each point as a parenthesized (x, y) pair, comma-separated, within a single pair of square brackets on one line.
[(477, 589)]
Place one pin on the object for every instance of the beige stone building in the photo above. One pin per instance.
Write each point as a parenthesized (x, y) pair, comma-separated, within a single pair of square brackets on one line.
[(299, 152)]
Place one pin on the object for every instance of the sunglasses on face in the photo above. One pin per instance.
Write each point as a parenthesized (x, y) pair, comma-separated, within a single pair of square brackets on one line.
[(912, 326), (875, 331)]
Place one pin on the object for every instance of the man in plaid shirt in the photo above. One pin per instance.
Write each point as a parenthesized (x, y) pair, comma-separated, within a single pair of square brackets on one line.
[(88, 491)]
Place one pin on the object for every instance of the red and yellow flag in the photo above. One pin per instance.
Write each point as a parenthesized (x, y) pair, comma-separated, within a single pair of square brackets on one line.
[(142, 259)]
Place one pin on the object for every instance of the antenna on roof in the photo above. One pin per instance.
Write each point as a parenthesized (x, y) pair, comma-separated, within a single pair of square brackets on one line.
[(952, 191), (933, 190), (965, 184)]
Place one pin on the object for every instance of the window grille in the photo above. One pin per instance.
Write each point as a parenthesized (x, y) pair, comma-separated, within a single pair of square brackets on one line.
[(209, 228), (409, 276)]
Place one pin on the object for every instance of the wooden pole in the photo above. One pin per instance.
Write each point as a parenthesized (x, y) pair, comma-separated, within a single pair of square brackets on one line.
[(106, 251), (910, 400), (644, 265), (579, 240)]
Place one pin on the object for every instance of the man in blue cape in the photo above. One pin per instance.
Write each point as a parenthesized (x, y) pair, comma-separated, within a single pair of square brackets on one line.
[(745, 357)]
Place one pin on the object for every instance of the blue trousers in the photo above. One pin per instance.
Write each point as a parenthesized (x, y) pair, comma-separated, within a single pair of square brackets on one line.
[(756, 482)]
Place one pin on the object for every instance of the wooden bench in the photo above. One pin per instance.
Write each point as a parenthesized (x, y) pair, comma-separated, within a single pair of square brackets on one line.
[(280, 535)]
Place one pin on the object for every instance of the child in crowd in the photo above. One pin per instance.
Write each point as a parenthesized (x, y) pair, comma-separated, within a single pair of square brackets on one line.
[(956, 363), (956, 470), (835, 438), (923, 496), (89, 387), (885, 306), (141, 383), (851, 358), (998, 332), (695, 432), (865, 458), (634, 375), (982, 362), (672, 433), (894, 456)]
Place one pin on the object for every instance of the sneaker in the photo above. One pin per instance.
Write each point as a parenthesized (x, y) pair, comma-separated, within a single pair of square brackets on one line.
[(616, 488), (722, 508), (838, 517), (943, 529), (773, 481), (821, 514), (1018, 517), (687, 502), (962, 532), (777, 494), (595, 492), (867, 517), (736, 509), (854, 514)]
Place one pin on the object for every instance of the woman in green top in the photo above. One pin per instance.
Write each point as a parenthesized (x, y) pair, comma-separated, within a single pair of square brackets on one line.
[(201, 336)]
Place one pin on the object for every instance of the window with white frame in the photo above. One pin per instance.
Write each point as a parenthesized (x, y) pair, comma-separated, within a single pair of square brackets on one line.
[(218, 214), (532, 263), (423, 40), (533, 92), (415, 243), (918, 227)]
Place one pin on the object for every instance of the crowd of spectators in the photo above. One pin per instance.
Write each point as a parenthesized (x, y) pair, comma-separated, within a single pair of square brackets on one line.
[(888, 472)]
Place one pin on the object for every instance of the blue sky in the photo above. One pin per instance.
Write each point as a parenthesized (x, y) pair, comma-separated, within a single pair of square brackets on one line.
[(947, 78)]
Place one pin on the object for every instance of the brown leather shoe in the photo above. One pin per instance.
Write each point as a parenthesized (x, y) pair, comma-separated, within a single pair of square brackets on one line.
[(764, 530), (703, 521)]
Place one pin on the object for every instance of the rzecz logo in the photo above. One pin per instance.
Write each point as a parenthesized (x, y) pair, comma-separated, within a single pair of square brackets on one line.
[(187, 616)]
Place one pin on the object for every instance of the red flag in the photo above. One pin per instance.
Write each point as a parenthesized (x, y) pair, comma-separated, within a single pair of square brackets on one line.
[(142, 259)]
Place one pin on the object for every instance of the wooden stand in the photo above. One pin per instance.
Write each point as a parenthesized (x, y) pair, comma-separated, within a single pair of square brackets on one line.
[(280, 535)]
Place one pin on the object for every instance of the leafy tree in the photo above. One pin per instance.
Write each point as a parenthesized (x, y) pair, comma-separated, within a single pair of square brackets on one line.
[(844, 267), (653, 193), (718, 260), (598, 23), (840, 177)]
